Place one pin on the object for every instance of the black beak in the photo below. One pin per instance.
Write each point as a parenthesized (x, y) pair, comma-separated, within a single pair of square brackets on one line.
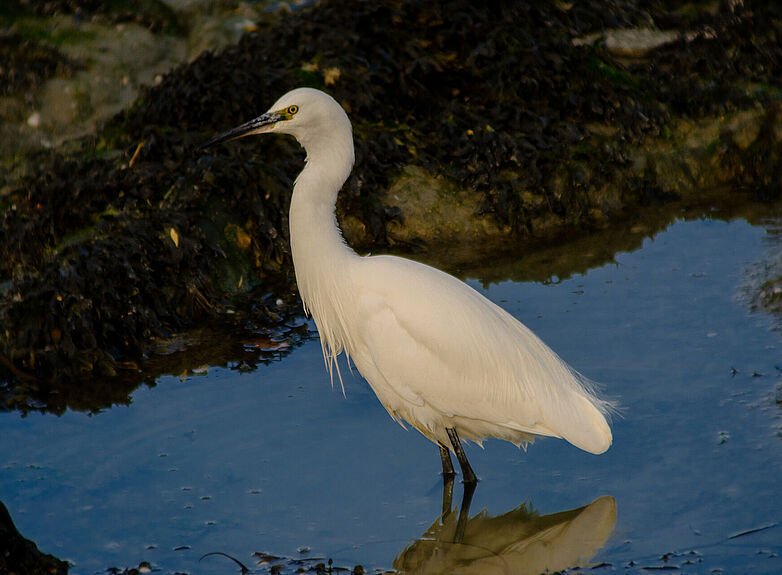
[(256, 126)]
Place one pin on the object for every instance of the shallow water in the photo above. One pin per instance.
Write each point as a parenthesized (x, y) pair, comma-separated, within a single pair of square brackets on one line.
[(277, 460)]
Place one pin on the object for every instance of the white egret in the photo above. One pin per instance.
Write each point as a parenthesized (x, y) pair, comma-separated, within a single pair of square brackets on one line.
[(438, 354)]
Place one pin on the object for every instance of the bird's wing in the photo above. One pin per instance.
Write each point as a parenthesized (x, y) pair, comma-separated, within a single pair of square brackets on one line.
[(430, 338)]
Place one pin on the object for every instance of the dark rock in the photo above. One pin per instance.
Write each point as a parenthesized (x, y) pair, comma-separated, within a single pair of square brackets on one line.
[(20, 556)]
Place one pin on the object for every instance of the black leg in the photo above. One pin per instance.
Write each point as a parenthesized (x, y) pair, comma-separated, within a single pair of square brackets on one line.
[(464, 512), (446, 458), (448, 475), (467, 473), (447, 496)]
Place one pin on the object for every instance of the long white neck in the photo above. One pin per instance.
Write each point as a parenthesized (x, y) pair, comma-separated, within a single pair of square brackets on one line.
[(320, 256)]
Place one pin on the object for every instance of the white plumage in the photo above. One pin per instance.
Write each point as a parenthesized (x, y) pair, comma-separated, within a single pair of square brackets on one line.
[(437, 353)]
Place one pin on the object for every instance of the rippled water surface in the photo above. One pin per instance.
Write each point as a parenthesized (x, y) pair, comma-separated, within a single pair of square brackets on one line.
[(277, 460)]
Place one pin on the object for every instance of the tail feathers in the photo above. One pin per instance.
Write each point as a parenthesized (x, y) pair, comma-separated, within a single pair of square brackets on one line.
[(585, 426)]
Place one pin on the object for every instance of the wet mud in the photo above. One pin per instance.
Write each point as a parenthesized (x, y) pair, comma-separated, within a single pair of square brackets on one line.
[(129, 237)]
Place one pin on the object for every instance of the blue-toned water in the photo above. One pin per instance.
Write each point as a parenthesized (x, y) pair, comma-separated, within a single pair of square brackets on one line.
[(277, 460)]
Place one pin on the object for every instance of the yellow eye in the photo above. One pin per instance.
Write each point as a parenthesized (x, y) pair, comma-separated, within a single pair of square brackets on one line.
[(293, 109)]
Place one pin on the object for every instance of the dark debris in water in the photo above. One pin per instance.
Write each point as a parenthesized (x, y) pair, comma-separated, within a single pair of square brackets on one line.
[(275, 565), (134, 236), (753, 530)]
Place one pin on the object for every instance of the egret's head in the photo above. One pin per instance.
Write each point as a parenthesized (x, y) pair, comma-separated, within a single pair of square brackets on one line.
[(305, 113)]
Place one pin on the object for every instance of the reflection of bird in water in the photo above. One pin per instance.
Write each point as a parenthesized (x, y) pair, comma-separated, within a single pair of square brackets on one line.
[(437, 353), (520, 542)]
